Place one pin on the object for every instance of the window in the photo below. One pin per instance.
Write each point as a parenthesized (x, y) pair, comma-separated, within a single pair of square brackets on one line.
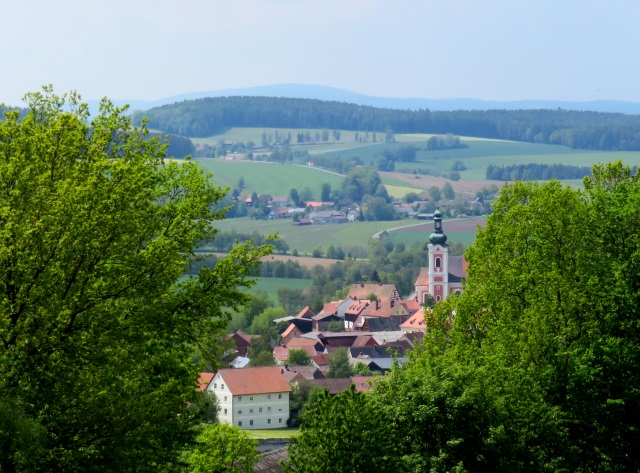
[(225, 399), (225, 412), (239, 398), (215, 385), (268, 421), (280, 396), (279, 421), (239, 411), (260, 410), (222, 386), (251, 398), (268, 396), (239, 423), (250, 411), (269, 409), (250, 422), (438, 262), (280, 410)]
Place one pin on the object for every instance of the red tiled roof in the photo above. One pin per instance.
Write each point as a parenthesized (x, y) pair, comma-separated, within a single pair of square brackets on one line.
[(281, 354), (423, 277), (320, 360), (357, 306), (205, 379), (306, 313), (287, 332), (255, 380), (364, 340), (379, 309), (382, 291), (299, 342), (411, 305), (362, 383), (416, 321)]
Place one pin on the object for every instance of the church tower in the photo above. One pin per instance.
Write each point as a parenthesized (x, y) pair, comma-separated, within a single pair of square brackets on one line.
[(445, 273), (438, 260)]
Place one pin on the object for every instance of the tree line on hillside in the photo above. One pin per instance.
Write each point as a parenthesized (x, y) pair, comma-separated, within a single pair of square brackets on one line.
[(535, 172), (576, 129)]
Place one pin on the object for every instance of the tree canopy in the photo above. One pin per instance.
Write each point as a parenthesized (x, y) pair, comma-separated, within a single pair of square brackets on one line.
[(537, 369), (97, 328)]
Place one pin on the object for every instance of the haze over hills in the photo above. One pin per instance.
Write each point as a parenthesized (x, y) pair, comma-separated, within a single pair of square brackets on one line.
[(335, 94)]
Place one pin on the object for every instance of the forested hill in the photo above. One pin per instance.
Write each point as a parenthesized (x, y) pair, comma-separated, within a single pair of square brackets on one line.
[(576, 129)]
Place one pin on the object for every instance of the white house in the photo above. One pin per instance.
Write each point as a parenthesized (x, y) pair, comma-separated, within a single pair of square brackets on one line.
[(252, 398)]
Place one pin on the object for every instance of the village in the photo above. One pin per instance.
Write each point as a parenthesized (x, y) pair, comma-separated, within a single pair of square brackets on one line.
[(376, 329)]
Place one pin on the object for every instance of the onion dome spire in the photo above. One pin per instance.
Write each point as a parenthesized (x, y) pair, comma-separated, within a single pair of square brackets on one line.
[(437, 237)]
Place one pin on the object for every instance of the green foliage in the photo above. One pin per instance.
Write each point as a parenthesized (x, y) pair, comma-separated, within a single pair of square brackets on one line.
[(299, 357), (264, 320), (447, 141), (222, 448), (348, 433), (339, 366), (542, 351), (361, 369), (263, 358), (97, 332)]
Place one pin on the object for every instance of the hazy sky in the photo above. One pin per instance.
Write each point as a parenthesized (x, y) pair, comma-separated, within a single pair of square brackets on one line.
[(487, 49)]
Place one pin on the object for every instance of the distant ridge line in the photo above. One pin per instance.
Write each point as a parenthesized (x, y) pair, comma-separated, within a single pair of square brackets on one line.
[(320, 92)]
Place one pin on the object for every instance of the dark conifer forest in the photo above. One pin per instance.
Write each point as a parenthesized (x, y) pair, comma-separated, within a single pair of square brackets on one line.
[(576, 129)]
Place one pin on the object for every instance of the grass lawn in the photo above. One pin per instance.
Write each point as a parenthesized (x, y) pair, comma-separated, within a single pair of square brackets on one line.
[(273, 433)]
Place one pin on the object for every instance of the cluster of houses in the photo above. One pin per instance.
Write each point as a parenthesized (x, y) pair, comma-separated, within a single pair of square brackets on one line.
[(317, 212), (373, 324), (307, 213)]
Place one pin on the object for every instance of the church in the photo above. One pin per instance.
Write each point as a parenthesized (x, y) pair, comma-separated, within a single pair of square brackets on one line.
[(445, 273)]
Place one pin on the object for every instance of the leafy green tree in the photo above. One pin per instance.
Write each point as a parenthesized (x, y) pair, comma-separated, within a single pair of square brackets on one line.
[(448, 192), (347, 433), (299, 357), (223, 448), (290, 299), (339, 366), (264, 320), (97, 328), (435, 194), (362, 369), (294, 196), (263, 358), (548, 320), (325, 192), (306, 194)]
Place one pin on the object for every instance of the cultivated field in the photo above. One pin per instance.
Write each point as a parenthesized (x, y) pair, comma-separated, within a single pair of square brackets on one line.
[(268, 178), (306, 238)]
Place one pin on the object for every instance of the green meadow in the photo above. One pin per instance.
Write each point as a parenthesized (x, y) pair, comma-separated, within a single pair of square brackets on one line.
[(268, 178), (271, 286), (351, 235), (306, 238), (409, 237)]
